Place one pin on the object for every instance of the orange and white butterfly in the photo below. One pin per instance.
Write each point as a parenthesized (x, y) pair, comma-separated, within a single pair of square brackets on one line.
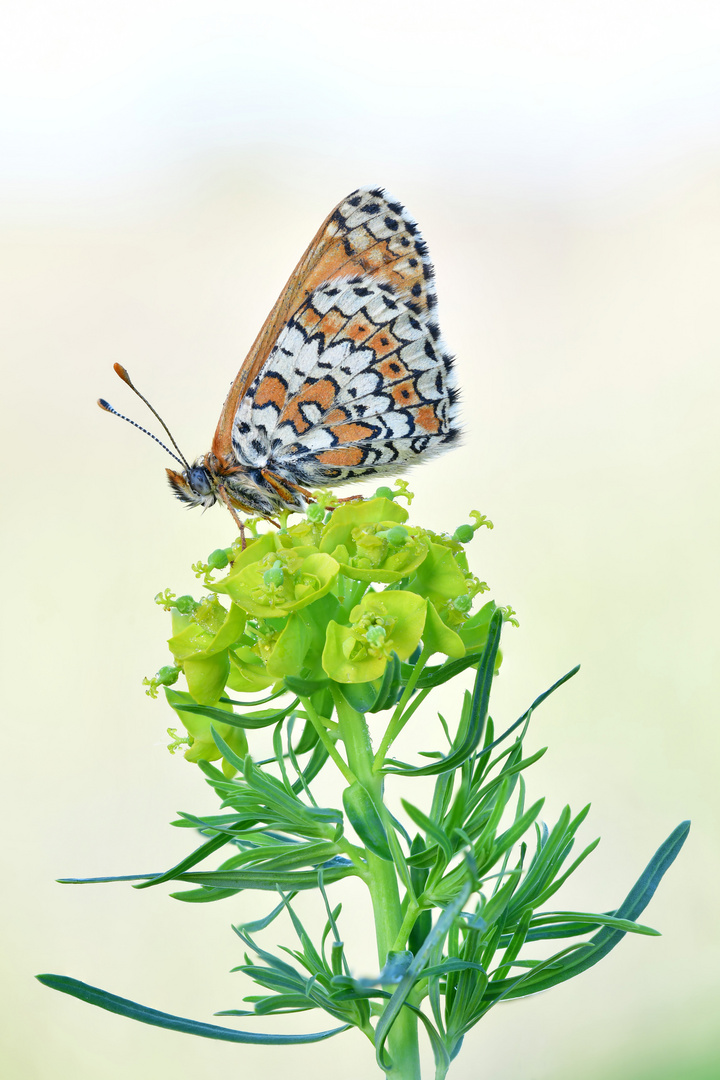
[(348, 378)]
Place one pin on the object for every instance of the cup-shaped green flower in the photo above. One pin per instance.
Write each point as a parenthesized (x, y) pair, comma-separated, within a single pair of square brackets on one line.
[(248, 671), (382, 623), (382, 551), (202, 745), (270, 580), (438, 637), (289, 648), (200, 644), (439, 577), (372, 543), (350, 515)]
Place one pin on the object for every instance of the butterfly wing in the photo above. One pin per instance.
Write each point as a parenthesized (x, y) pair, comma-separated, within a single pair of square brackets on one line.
[(349, 374)]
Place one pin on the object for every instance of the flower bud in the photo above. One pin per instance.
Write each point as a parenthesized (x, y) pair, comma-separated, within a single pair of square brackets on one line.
[(274, 576), (185, 605), (397, 536), (217, 559), (167, 675), (315, 513), (375, 635), (464, 534)]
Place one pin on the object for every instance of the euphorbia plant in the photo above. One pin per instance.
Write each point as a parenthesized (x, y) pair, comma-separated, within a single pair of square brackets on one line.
[(333, 628)]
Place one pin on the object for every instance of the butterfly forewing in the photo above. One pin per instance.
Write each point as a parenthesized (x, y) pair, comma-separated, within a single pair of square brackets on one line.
[(349, 374)]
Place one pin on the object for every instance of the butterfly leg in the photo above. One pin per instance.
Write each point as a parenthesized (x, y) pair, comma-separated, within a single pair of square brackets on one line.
[(226, 499), (348, 498), (283, 487)]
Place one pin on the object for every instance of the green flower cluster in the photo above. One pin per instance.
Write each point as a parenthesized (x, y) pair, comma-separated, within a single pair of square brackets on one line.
[(340, 599)]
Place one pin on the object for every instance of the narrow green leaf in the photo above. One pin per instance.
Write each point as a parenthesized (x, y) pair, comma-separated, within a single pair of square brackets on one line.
[(211, 845), (429, 827), (544, 896), (628, 926), (528, 712), (308, 739), (440, 673), (390, 687), (506, 839), (123, 1007), (305, 687), (317, 759), (361, 697), (270, 881), (253, 704), (453, 963), (262, 924), (278, 1003), (203, 896), (102, 880), (478, 712), (366, 821), (226, 751), (261, 719)]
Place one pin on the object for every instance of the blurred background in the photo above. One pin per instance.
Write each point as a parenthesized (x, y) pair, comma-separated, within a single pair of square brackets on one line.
[(162, 167)]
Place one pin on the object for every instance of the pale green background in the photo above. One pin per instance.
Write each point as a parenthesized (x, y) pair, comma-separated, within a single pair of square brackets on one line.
[(163, 165)]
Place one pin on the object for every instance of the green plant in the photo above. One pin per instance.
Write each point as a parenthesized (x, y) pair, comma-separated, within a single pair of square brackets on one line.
[(349, 614)]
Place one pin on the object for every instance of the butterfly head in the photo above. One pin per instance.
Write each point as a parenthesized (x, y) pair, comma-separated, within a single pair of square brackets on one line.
[(195, 487)]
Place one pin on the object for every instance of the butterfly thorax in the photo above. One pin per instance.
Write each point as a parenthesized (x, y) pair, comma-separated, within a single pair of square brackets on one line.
[(252, 490)]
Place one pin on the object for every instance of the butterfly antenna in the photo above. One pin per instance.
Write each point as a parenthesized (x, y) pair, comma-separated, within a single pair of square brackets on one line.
[(122, 373), (108, 408)]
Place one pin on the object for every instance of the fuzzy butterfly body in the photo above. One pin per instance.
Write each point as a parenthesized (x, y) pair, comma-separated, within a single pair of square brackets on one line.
[(348, 378)]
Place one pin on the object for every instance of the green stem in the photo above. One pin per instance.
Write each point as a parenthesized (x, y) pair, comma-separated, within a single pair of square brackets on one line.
[(398, 721), (413, 910), (325, 739), (383, 886)]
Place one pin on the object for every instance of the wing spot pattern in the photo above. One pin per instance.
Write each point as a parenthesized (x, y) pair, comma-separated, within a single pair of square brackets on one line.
[(360, 382)]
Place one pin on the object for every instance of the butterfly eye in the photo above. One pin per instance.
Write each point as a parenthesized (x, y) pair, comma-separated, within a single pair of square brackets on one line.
[(199, 479)]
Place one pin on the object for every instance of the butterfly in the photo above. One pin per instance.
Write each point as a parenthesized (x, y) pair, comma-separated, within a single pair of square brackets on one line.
[(349, 376)]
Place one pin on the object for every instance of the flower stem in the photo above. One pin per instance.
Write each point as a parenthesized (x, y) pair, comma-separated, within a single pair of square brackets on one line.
[(325, 739), (398, 720), (383, 886)]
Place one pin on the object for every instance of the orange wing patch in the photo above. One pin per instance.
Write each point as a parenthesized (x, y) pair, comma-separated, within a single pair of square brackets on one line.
[(351, 433), (426, 418), (308, 318), (271, 389), (347, 457), (382, 343), (337, 416), (321, 393), (392, 369), (358, 329), (404, 394), (331, 323)]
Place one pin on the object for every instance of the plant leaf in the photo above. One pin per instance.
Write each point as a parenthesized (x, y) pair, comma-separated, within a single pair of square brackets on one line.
[(271, 880), (197, 856), (365, 820), (586, 956), (478, 711), (123, 1007)]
